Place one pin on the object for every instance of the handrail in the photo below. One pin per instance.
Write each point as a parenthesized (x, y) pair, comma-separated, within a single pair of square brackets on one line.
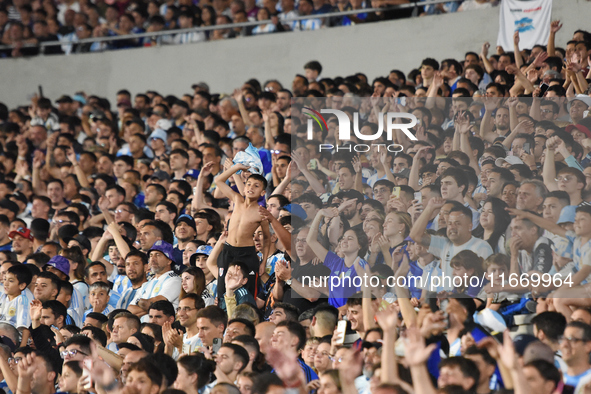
[(228, 25)]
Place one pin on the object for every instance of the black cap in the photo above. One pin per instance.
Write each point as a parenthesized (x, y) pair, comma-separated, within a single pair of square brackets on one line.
[(64, 99), (10, 205), (82, 240)]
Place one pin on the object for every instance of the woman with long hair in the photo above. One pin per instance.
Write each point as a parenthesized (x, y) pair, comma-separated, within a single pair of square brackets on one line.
[(353, 246), (154, 331), (193, 281), (77, 269), (494, 221), (195, 371), (395, 229)]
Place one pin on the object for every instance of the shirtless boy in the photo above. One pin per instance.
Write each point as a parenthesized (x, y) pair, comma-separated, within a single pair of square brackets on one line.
[(245, 220)]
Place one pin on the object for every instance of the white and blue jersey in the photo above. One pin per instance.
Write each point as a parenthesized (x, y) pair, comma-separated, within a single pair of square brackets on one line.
[(82, 289), (107, 310), (15, 312), (121, 283), (167, 285)]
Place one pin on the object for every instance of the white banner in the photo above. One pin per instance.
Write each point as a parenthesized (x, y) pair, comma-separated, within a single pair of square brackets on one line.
[(531, 18)]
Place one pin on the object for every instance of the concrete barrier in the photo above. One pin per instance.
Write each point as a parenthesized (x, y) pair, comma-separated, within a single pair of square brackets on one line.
[(373, 49)]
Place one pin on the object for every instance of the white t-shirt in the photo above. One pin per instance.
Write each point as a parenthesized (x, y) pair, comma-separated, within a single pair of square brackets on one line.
[(446, 250)]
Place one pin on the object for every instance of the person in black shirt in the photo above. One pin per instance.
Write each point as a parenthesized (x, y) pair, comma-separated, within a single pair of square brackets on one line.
[(293, 281)]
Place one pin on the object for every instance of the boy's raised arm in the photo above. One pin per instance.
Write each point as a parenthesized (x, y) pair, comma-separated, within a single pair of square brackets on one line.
[(220, 181)]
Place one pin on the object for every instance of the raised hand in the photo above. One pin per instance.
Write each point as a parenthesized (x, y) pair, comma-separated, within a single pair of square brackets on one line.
[(330, 212), (491, 103), (512, 69), (227, 165), (541, 58), (435, 203), (462, 123), (415, 352), (286, 366), (506, 351), (438, 79), (27, 366), (35, 309), (356, 164), (347, 204), (388, 318), (103, 203), (484, 50), (72, 156), (555, 26), (516, 38), (207, 167), (512, 102)]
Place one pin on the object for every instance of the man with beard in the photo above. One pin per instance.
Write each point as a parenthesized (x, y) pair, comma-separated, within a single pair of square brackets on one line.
[(136, 264), (351, 210), (185, 230), (188, 342), (39, 373), (284, 101), (22, 243)]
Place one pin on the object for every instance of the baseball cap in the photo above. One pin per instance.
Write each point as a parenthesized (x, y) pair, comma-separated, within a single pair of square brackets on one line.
[(186, 219), (580, 97), (204, 249), (23, 232), (182, 103), (82, 240), (10, 205), (64, 99), (580, 127), (200, 85), (20, 197), (192, 173), (509, 159), (567, 214), (60, 263), (163, 247), (158, 133), (161, 175)]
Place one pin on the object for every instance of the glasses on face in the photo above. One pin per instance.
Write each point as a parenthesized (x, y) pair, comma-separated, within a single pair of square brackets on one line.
[(276, 152), (61, 221), (121, 211), (185, 309), (334, 359), (300, 240), (14, 360), (571, 340), (563, 178), (71, 353)]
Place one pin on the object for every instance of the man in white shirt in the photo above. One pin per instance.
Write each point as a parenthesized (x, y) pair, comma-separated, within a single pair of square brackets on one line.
[(165, 285), (459, 235), (187, 317)]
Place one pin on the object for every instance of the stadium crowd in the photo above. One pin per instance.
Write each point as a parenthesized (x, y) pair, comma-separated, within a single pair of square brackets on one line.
[(166, 245), (24, 24)]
